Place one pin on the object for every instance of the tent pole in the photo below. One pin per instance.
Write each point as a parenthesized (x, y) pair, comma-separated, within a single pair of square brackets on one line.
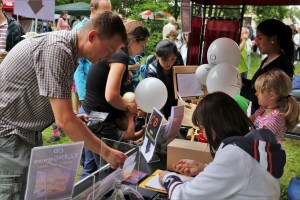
[(36, 24)]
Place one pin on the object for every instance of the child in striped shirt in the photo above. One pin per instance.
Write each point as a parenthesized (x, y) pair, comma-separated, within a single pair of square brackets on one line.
[(278, 111)]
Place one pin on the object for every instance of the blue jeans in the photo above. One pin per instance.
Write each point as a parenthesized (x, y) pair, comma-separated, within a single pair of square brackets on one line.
[(92, 160)]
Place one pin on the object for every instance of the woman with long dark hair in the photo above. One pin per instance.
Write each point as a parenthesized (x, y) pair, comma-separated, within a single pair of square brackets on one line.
[(104, 88), (273, 38), (245, 165)]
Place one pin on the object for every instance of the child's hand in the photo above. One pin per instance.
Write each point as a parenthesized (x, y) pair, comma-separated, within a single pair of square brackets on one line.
[(83, 117)]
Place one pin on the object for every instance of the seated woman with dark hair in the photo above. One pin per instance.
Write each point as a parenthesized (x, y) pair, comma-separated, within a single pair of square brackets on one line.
[(161, 67), (244, 166)]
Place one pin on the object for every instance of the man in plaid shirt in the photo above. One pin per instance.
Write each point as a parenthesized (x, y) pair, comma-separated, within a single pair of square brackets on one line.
[(35, 89)]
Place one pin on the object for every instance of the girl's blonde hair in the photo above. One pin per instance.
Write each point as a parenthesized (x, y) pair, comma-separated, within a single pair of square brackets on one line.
[(279, 83)]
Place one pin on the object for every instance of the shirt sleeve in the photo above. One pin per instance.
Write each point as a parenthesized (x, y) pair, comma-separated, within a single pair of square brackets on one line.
[(54, 67), (120, 57), (219, 180), (80, 77)]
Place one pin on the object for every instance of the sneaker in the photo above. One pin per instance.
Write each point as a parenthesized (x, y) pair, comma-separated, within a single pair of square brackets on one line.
[(53, 138)]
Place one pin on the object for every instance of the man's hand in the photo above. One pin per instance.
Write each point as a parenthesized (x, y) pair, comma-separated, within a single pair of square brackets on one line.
[(114, 157), (188, 167), (83, 117)]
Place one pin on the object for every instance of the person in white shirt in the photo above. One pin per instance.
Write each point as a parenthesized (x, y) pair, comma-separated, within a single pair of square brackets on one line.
[(244, 166), (168, 27), (297, 46)]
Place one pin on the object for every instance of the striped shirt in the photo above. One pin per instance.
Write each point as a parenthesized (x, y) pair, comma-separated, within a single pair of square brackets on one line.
[(3, 30), (37, 68), (273, 121)]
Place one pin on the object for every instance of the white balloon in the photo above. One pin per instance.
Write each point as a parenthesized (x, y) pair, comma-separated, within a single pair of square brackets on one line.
[(225, 78), (151, 93), (223, 50), (202, 72)]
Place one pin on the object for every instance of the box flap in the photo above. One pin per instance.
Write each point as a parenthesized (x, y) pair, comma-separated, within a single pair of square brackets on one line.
[(186, 144)]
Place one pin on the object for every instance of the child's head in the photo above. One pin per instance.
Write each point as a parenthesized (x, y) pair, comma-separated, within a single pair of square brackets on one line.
[(273, 90), (166, 53), (276, 82), (220, 117)]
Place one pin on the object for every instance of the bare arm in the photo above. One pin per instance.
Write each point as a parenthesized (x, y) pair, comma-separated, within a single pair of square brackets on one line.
[(77, 131), (113, 85)]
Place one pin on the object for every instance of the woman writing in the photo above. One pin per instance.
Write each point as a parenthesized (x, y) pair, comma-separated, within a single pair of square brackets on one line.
[(241, 168), (273, 38)]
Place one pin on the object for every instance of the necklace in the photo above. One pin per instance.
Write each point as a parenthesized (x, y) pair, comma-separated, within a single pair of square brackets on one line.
[(269, 61)]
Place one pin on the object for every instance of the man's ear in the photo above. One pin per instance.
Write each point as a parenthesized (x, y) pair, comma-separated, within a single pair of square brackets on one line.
[(92, 9), (92, 35)]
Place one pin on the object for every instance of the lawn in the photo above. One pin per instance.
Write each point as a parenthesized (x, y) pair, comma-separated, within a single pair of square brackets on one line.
[(292, 146)]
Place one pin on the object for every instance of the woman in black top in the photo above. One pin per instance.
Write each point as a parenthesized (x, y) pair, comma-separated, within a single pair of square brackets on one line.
[(273, 38), (103, 88)]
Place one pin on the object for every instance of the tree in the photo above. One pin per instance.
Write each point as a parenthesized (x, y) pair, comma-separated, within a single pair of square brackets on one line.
[(154, 26), (267, 12)]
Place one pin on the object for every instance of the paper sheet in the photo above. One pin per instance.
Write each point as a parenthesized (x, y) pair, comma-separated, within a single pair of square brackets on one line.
[(188, 86), (154, 182)]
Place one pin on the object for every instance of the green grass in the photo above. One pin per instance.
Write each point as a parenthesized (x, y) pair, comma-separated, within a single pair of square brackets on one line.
[(292, 146)]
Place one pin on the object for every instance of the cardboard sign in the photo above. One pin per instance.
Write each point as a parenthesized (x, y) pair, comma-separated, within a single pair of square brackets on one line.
[(151, 135), (52, 171)]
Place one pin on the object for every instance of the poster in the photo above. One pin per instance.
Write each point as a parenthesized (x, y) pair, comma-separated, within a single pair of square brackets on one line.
[(152, 130), (52, 171)]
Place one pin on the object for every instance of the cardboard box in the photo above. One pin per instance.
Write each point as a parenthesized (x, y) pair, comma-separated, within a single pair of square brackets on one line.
[(184, 149)]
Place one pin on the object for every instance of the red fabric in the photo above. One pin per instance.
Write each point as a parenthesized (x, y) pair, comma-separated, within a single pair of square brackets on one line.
[(215, 29), (247, 2), (194, 41)]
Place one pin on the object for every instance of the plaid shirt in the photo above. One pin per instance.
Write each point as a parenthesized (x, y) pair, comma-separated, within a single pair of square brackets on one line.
[(37, 68)]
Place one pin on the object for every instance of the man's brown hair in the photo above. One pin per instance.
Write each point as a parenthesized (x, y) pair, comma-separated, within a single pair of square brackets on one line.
[(107, 24)]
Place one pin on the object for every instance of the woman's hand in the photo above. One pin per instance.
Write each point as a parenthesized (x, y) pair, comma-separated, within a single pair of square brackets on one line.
[(132, 107), (188, 167), (161, 176)]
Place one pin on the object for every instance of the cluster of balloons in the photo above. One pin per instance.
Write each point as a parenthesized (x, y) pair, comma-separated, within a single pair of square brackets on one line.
[(221, 74)]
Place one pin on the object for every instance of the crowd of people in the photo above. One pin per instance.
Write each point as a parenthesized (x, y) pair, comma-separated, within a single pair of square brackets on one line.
[(37, 77)]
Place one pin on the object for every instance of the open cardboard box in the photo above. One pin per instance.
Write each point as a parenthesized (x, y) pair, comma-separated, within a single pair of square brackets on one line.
[(186, 87), (184, 149)]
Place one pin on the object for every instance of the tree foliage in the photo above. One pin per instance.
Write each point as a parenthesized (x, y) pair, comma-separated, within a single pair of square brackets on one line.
[(267, 12)]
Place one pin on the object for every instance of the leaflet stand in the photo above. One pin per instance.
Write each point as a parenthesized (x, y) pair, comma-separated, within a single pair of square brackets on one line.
[(52, 171), (128, 173)]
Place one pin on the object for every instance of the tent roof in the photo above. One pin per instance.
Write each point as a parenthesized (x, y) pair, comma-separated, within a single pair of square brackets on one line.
[(77, 9), (248, 2)]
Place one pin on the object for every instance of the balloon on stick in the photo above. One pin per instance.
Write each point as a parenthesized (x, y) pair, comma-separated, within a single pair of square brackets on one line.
[(151, 93), (223, 50), (225, 78), (202, 72)]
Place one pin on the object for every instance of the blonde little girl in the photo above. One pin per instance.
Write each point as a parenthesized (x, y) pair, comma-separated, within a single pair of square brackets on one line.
[(278, 111)]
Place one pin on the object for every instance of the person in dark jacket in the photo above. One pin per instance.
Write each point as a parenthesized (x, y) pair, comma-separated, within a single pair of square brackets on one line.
[(166, 56), (273, 38), (14, 30)]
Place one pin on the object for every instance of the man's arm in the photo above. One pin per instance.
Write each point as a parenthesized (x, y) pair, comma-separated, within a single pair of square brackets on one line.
[(77, 131)]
